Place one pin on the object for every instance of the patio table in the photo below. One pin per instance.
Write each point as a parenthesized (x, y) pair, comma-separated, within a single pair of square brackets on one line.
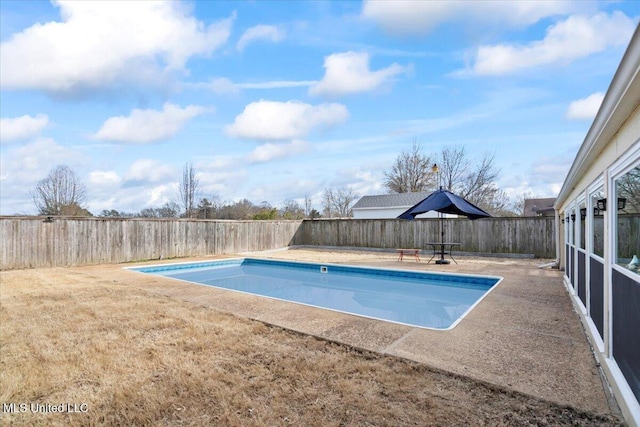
[(442, 248)]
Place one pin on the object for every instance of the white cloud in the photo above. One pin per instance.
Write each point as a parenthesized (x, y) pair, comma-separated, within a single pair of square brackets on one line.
[(147, 183), (276, 192), (220, 85), (548, 171), (260, 32), (23, 166), (223, 177), (105, 191), (144, 171), (37, 158), (129, 199), (104, 178), (22, 127), (271, 151), (566, 41), (360, 181), (97, 44), (585, 109), (161, 194), (147, 126), (223, 85), (276, 84), (271, 120), (349, 72), (410, 17)]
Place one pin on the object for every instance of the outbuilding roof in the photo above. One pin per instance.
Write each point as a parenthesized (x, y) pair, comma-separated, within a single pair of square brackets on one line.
[(533, 207), (395, 200)]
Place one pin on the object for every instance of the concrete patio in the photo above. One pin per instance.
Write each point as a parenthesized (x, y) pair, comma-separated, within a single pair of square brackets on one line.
[(524, 336)]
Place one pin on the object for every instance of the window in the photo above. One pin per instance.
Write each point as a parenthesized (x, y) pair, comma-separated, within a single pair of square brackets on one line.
[(597, 223), (581, 217), (571, 225), (626, 209)]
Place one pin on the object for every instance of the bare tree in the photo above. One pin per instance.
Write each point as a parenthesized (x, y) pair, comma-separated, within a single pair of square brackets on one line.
[(473, 180), (245, 209), (628, 187), (110, 213), (168, 210), (148, 213), (518, 202), (188, 189), (496, 202), (411, 172), (307, 206), (480, 180), (327, 203), (453, 168), (338, 202), (60, 193), (291, 210)]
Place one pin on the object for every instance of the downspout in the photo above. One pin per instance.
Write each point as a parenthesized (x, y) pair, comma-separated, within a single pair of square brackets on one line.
[(559, 240)]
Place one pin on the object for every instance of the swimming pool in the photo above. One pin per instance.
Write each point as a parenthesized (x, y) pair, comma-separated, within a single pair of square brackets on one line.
[(415, 298)]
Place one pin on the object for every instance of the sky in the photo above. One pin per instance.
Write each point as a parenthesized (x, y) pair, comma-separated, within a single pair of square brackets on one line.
[(280, 100)]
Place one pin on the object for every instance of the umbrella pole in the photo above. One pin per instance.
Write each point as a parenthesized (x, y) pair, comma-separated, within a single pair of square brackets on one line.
[(441, 260)]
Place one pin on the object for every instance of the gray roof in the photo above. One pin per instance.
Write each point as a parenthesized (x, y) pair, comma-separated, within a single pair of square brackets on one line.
[(533, 207), (395, 200)]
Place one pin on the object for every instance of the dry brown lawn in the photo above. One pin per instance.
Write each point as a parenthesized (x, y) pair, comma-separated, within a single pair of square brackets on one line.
[(136, 358)]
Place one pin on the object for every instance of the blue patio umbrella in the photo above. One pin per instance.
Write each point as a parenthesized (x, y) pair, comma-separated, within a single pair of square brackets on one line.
[(444, 201)]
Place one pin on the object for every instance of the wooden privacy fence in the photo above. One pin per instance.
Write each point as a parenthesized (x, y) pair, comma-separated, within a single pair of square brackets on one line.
[(30, 242), (528, 235)]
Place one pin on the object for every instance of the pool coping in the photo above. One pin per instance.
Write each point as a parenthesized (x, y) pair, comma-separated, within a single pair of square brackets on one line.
[(165, 266)]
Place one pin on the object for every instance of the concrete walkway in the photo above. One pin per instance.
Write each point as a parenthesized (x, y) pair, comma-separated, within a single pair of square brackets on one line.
[(523, 336)]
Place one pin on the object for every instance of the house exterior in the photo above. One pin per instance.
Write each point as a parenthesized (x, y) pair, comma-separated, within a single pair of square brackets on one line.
[(539, 207), (389, 205), (598, 233)]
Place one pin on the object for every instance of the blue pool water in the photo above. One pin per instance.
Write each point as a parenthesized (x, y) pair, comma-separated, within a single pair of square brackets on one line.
[(428, 300)]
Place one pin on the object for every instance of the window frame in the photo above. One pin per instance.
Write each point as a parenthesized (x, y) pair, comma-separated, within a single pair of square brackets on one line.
[(597, 188), (630, 160)]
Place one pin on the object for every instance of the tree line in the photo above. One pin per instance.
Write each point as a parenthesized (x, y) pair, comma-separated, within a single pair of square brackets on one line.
[(212, 209), (63, 193)]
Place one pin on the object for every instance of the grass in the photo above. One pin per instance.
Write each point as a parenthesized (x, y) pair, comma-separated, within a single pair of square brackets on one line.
[(140, 359)]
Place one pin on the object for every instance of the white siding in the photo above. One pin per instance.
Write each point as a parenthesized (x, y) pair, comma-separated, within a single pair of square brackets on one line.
[(390, 213)]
